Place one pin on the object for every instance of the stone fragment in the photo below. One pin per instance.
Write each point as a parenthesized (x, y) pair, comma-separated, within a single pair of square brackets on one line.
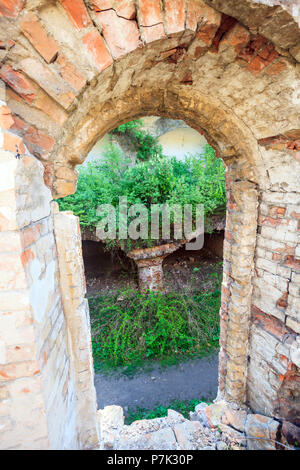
[(214, 413), (186, 434), (261, 432), (235, 418), (221, 445), (291, 432)]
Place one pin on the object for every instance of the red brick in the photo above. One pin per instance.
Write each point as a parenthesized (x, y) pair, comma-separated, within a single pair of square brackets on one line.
[(150, 12), (240, 37), (292, 262), (232, 206), (268, 53), (225, 25), (48, 174), (269, 323), (276, 257), (277, 211), (256, 65), (174, 16), (283, 301), (276, 68), (296, 215), (50, 107), (293, 145), (194, 15), (121, 35), (8, 44), (36, 34), (177, 55), (29, 236), (250, 50), (13, 143), (187, 79), (11, 8), (49, 81), (150, 16), (228, 235), (288, 250), (77, 13), (124, 8), (153, 33), (18, 82), (70, 74), (95, 45), (271, 222), (19, 125), (26, 256), (38, 138), (14, 96), (6, 119)]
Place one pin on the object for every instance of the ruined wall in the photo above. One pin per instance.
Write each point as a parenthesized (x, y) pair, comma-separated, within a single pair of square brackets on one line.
[(36, 386), (71, 72)]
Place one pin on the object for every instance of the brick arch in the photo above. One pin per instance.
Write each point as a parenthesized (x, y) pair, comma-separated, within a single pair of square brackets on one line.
[(73, 70), (230, 138)]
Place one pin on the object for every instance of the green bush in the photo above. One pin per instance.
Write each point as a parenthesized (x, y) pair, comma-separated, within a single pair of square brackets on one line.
[(129, 327), (146, 146), (197, 180)]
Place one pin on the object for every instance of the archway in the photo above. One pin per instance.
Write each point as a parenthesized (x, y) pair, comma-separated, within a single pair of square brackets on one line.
[(233, 84)]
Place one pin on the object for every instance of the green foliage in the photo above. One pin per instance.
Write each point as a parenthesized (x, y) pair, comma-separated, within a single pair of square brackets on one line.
[(183, 407), (145, 144), (129, 327), (197, 180)]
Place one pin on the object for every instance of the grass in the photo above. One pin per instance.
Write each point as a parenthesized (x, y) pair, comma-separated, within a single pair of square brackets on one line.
[(183, 407), (129, 328)]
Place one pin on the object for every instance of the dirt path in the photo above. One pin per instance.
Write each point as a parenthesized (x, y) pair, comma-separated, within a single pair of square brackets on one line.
[(197, 378)]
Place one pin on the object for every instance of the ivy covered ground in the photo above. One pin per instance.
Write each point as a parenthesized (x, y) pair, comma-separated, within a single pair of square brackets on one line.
[(128, 327)]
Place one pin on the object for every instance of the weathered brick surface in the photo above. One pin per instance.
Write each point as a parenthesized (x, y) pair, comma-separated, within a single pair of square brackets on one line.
[(121, 35), (230, 74), (95, 45), (72, 283), (11, 8), (77, 13), (34, 31)]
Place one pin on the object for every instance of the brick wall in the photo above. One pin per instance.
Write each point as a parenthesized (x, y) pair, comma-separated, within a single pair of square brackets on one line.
[(71, 72)]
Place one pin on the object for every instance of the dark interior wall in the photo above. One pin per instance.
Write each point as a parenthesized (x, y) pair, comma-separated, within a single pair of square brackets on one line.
[(99, 261)]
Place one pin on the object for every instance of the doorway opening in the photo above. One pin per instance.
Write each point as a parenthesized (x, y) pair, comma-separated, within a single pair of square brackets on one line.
[(166, 356)]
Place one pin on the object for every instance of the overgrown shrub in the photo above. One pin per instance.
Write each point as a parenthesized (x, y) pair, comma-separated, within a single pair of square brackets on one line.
[(129, 327), (160, 180)]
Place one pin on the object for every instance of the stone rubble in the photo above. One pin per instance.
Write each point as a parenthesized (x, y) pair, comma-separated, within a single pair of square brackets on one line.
[(219, 426)]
